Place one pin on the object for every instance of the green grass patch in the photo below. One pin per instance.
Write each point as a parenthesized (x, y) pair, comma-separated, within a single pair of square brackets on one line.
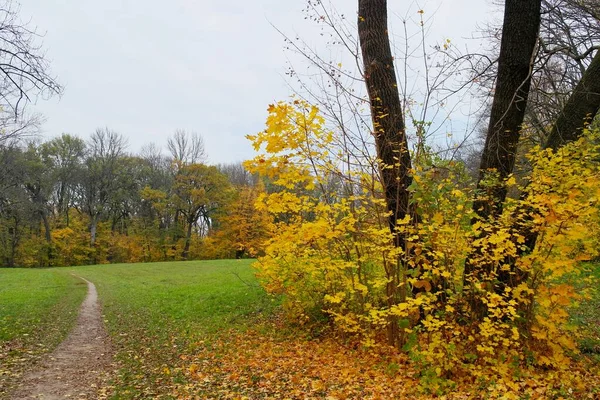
[(38, 307), (587, 316), (157, 312)]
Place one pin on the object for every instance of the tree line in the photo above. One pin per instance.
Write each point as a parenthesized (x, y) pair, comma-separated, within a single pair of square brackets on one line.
[(66, 201)]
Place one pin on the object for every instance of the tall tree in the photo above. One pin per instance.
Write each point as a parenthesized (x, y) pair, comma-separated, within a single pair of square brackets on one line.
[(13, 204), (581, 107), (98, 183), (389, 130), (66, 154), (198, 191), (38, 181), (515, 65), (186, 148)]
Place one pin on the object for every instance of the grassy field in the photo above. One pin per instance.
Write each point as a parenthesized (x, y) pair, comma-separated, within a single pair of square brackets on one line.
[(37, 310), (160, 314), (156, 312)]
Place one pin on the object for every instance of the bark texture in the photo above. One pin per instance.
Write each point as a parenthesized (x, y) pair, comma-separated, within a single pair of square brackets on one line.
[(388, 130), (519, 38), (520, 31), (581, 107), (386, 108)]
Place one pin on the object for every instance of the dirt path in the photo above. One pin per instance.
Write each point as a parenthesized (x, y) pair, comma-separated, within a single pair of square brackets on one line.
[(79, 366)]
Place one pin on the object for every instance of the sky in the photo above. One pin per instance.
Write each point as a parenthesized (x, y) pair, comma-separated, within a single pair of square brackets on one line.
[(147, 68)]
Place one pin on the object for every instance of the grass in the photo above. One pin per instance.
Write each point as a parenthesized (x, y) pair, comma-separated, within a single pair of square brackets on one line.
[(159, 315), (158, 311), (37, 310), (587, 316)]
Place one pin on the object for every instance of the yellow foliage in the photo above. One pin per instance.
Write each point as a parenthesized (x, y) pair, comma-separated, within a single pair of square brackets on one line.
[(332, 254)]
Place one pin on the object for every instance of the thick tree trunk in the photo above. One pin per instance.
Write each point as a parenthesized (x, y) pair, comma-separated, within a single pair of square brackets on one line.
[(388, 129), (386, 108), (582, 106), (519, 38), (517, 51)]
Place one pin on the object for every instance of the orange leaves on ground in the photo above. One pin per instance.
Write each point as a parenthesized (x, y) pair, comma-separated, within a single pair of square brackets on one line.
[(253, 366)]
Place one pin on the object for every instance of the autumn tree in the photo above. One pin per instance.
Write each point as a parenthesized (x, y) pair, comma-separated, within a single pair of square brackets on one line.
[(198, 192), (98, 182), (565, 97), (65, 154), (414, 250)]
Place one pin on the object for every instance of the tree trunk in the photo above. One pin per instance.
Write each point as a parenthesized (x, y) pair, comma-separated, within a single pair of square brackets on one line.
[(14, 243), (47, 229), (581, 107), (386, 108), (517, 49), (188, 239), (388, 129), (47, 234), (93, 229), (61, 198)]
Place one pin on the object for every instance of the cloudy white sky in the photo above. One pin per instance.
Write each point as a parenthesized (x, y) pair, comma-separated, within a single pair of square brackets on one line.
[(146, 68)]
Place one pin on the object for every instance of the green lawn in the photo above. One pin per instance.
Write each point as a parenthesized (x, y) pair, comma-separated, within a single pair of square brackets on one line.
[(37, 310), (155, 312)]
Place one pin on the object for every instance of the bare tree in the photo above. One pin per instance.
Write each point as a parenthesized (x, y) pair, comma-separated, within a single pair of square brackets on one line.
[(238, 175), (568, 38), (186, 148), (105, 148), (24, 70), (12, 130)]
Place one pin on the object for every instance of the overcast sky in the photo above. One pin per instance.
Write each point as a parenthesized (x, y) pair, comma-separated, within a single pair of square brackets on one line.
[(146, 68)]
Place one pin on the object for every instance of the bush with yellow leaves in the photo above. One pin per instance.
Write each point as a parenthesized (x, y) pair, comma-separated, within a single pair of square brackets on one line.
[(469, 299)]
